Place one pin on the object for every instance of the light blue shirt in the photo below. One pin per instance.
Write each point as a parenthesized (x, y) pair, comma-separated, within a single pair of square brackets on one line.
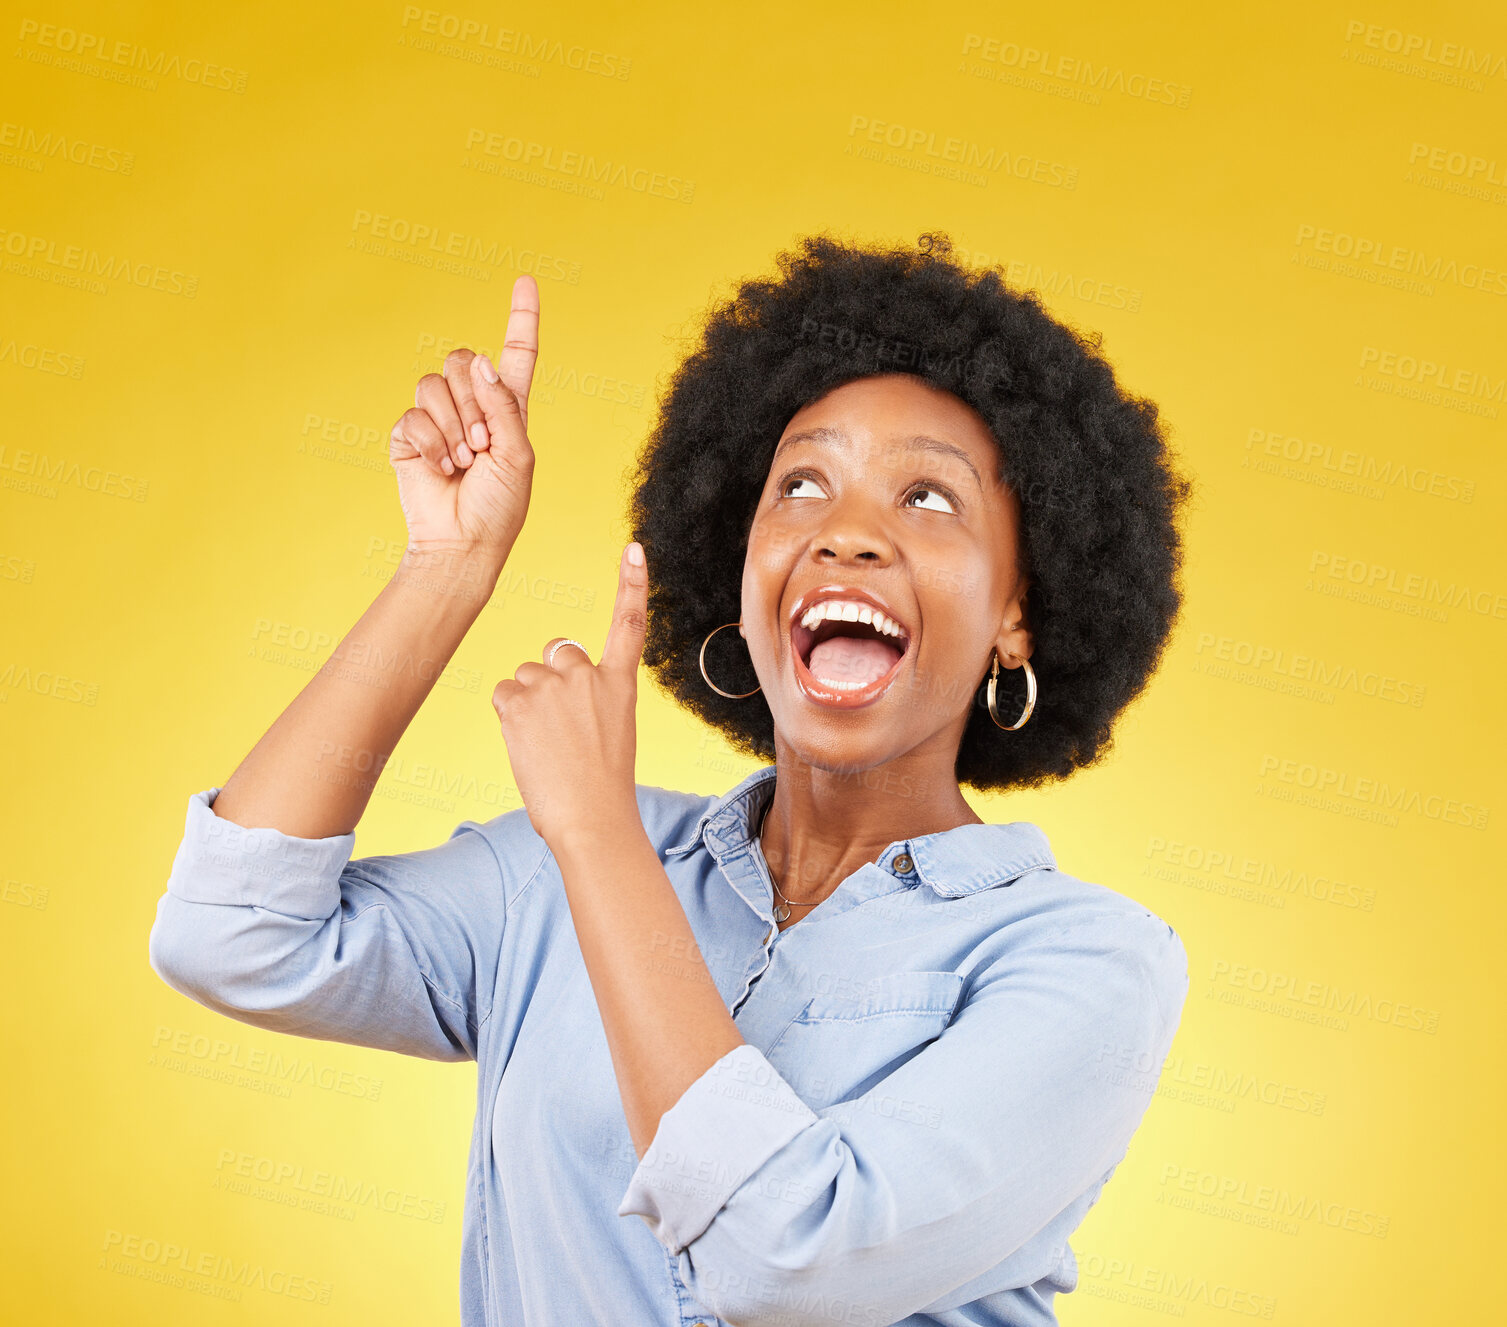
[(945, 1060)]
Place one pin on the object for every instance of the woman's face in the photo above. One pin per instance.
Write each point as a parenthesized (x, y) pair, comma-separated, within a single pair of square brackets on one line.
[(882, 494)]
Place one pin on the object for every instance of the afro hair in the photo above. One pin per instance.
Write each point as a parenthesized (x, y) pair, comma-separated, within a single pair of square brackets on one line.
[(1089, 463)]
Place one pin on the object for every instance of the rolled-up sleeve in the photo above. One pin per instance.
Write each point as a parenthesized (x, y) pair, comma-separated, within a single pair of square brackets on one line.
[(889, 1202), (286, 933)]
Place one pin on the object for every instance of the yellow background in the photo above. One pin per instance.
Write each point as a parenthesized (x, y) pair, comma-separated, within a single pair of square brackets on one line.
[(196, 505)]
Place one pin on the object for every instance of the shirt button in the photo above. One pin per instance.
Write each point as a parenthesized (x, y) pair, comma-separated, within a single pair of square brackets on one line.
[(902, 863)]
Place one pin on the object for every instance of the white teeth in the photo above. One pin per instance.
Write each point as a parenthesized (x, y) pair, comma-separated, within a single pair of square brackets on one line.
[(848, 610)]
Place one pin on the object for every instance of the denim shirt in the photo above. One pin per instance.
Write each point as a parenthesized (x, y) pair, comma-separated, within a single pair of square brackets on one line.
[(943, 1062)]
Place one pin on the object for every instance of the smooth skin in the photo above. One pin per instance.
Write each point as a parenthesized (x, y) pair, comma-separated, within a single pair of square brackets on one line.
[(927, 529), (853, 498)]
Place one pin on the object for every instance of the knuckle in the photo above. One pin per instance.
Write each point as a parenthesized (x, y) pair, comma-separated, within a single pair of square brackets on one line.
[(512, 464), (459, 360), (416, 427)]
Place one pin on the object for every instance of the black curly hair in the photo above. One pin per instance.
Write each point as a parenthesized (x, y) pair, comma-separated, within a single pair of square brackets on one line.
[(1099, 496)]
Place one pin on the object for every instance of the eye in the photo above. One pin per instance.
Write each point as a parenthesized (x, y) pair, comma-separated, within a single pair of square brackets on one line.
[(933, 495), (785, 484)]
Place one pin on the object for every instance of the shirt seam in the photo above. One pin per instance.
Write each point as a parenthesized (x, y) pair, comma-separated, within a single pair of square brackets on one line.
[(429, 980), (992, 878), (726, 807), (907, 1011), (507, 909), (1153, 983)]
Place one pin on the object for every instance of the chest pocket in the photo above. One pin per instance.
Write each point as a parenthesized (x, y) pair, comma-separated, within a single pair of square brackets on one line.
[(841, 1043)]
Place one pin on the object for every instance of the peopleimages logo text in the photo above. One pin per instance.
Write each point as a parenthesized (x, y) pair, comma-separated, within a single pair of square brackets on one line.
[(1373, 252)]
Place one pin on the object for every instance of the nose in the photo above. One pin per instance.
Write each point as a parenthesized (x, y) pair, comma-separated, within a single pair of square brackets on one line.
[(853, 533)]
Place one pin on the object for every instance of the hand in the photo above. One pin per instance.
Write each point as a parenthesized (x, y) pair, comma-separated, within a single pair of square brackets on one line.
[(473, 419), (570, 726)]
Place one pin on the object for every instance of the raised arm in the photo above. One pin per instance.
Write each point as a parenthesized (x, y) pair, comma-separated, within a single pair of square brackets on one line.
[(313, 772), (265, 918)]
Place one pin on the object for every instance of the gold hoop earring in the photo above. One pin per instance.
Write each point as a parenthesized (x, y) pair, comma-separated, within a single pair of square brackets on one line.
[(708, 680), (1030, 695)]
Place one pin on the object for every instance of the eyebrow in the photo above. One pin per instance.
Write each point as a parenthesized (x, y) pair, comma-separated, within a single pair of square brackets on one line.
[(828, 436)]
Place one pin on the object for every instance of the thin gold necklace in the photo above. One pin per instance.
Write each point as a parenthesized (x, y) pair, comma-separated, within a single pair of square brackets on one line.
[(782, 909)]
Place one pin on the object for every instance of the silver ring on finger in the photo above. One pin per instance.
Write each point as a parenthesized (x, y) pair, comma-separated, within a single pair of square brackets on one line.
[(560, 645)]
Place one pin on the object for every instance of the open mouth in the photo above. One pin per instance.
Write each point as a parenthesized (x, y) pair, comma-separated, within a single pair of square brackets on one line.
[(846, 649)]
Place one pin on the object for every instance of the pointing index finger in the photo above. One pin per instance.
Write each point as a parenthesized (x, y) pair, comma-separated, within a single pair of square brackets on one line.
[(630, 614), (520, 350)]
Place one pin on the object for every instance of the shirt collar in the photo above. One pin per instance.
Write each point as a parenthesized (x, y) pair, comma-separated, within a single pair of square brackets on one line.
[(952, 862)]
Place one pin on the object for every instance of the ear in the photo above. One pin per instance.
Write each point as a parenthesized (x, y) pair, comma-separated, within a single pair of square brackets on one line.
[(1014, 642)]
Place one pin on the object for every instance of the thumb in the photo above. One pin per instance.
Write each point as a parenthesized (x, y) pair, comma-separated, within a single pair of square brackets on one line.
[(630, 614), (503, 409)]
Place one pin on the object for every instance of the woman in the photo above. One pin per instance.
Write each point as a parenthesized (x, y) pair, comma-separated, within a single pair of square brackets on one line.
[(827, 1047)]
